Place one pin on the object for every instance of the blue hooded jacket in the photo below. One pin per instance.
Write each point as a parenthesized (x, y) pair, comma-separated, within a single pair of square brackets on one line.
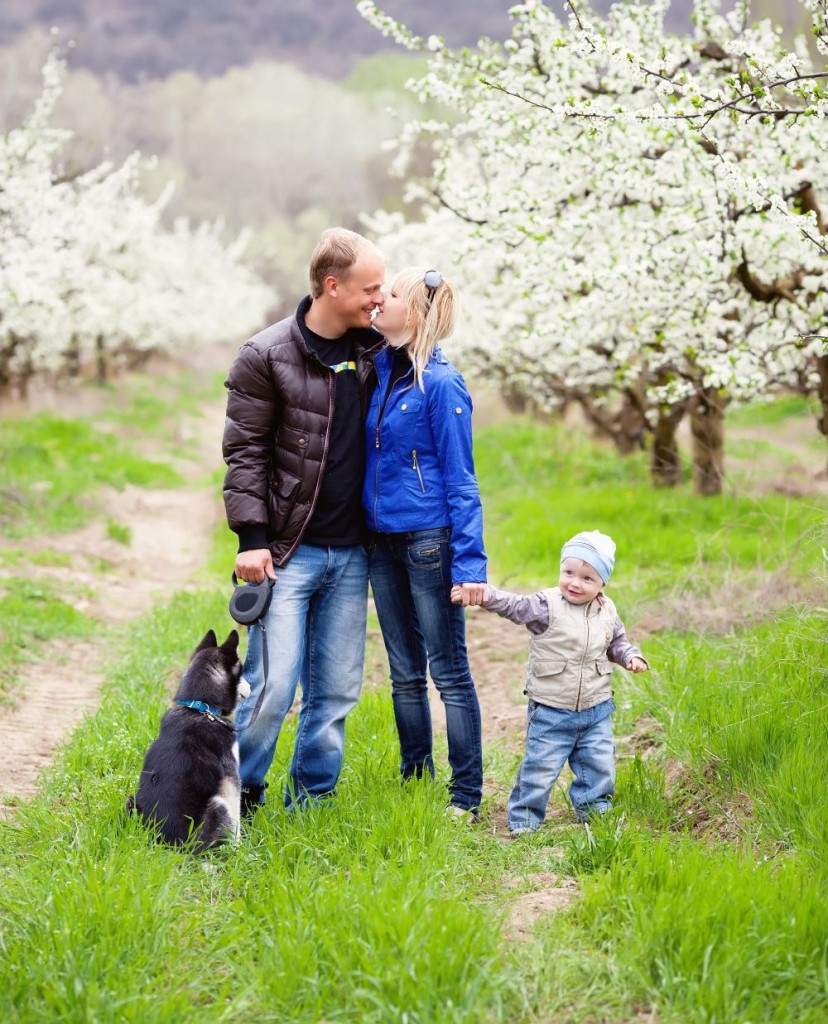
[(419, 471)]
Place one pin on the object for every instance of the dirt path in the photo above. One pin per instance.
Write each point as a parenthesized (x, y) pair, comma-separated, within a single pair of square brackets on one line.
[(170, 531)]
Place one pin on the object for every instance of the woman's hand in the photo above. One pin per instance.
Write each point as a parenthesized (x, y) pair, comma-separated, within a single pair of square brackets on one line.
[(468, 594)]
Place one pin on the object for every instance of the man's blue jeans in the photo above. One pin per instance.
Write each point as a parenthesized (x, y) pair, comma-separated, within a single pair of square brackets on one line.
[(553, 737), (315, 628), (411, 581)]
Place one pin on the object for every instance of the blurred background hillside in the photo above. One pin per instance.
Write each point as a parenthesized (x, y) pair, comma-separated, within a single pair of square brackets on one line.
[(271, 116)]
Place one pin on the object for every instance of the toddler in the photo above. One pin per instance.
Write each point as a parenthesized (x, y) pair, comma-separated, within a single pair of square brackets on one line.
[(576, 633)]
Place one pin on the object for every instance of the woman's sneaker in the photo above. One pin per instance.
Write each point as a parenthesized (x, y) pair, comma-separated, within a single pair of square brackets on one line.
[(466, 814)]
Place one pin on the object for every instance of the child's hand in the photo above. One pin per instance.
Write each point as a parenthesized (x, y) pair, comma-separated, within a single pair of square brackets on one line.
[(457, 594), (637, 665)]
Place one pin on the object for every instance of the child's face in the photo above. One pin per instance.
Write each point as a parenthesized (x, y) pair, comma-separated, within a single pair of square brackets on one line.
[(579, 582)]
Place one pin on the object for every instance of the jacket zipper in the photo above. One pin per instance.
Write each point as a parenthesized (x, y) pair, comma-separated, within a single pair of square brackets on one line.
[(583, 660), (416, 467), (381, 412), (382, 407)]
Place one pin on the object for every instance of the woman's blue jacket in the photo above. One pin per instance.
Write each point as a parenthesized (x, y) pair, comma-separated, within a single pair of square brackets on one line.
[(419, 470)]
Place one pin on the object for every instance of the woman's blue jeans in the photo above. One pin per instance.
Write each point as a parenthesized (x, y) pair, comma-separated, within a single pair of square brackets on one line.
[(553, 737), (315, 628), (411, 580)]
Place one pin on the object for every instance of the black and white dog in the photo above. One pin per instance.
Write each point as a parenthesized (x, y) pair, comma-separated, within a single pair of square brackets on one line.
[(189, 785)]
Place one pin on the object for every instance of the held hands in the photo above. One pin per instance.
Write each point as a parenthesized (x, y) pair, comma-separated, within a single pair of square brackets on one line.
[(253, 566), (468, 594), (637, 665)]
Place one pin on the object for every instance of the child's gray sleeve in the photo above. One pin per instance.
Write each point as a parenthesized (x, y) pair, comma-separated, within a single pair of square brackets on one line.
[(620, 650), (530, 610)]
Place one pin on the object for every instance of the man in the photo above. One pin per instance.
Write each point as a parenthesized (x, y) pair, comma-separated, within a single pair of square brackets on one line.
[(295, 454)]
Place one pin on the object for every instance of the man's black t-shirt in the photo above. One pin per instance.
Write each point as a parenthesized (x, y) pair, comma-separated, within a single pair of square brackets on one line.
[(337, 519)]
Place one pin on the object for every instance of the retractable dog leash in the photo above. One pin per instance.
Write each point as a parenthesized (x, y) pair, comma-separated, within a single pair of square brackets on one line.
[(248, 606)]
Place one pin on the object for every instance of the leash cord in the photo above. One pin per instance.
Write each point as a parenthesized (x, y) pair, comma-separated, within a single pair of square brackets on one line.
[(265, 668)]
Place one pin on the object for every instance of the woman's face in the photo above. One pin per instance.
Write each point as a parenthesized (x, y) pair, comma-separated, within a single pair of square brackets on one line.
[(391, 318)]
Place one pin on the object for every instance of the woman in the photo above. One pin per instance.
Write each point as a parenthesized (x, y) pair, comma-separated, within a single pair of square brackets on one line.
[(423, 508)]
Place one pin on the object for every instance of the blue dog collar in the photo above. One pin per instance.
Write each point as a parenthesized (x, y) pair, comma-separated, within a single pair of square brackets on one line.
[(199, 705)]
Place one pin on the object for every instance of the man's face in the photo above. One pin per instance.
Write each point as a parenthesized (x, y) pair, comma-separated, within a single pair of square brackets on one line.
[(356, 296)]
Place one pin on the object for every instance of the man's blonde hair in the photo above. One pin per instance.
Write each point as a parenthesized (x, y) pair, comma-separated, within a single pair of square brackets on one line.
[(430, 315), (336, 252)]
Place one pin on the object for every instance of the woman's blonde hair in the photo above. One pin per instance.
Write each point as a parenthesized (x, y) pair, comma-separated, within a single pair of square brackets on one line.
[(431, 314)]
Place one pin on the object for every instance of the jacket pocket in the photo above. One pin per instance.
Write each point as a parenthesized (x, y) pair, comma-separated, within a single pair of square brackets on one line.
[(546, 668), (603, 667), (292, 439), (283, 494), (415, 465)]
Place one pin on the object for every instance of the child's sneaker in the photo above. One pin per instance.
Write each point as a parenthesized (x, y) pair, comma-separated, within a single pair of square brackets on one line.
[(520, 830)]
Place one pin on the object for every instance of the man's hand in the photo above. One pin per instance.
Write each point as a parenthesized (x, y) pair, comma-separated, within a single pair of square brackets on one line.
[(637, 665), (253, 566), (468, 593)]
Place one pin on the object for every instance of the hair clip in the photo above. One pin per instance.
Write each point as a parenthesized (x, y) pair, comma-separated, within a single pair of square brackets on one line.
[(432, 279)]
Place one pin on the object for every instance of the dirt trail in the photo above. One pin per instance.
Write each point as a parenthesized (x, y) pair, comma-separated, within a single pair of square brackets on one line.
[(170, 531)]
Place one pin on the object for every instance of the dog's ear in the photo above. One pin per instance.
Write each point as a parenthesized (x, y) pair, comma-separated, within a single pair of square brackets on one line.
[(230, 646), (208, 641)]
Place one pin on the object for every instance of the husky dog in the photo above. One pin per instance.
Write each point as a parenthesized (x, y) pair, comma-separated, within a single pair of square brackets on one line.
[(190, 780)]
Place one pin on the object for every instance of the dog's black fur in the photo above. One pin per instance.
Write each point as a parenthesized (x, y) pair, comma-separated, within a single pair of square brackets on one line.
[(190, 779)]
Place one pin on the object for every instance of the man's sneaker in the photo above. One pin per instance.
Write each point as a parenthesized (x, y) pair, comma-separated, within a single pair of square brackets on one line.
[(465, 814), (251, 800)]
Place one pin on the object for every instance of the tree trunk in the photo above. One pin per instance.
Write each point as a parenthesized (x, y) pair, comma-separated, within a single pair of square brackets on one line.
[(624, 426), (707, 428), (631, 427), (665, 464), (72, 358), (822, 369), (100, 359)]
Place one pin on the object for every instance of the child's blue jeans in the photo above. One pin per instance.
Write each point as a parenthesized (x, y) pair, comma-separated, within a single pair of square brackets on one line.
[(553, 737)]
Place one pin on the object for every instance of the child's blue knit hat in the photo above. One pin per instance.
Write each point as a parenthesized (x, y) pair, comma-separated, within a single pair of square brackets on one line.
[(594, 548)]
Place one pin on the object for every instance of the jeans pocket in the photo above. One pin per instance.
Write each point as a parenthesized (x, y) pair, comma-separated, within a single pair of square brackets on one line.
[(425, 556)]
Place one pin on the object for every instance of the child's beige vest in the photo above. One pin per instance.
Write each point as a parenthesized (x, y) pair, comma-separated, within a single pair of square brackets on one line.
[(568, 666)]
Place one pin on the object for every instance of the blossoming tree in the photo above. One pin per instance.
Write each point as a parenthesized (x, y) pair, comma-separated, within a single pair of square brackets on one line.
[(88, 272), (638, 219)]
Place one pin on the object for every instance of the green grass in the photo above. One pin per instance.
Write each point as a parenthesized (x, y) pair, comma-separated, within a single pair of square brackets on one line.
[(52, 468), (776, 411), (119, 532), (541, 484), (32, 613), (702, 897)]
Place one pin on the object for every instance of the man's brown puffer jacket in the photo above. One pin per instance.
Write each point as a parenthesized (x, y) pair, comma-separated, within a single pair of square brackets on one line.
[(279, 407)]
